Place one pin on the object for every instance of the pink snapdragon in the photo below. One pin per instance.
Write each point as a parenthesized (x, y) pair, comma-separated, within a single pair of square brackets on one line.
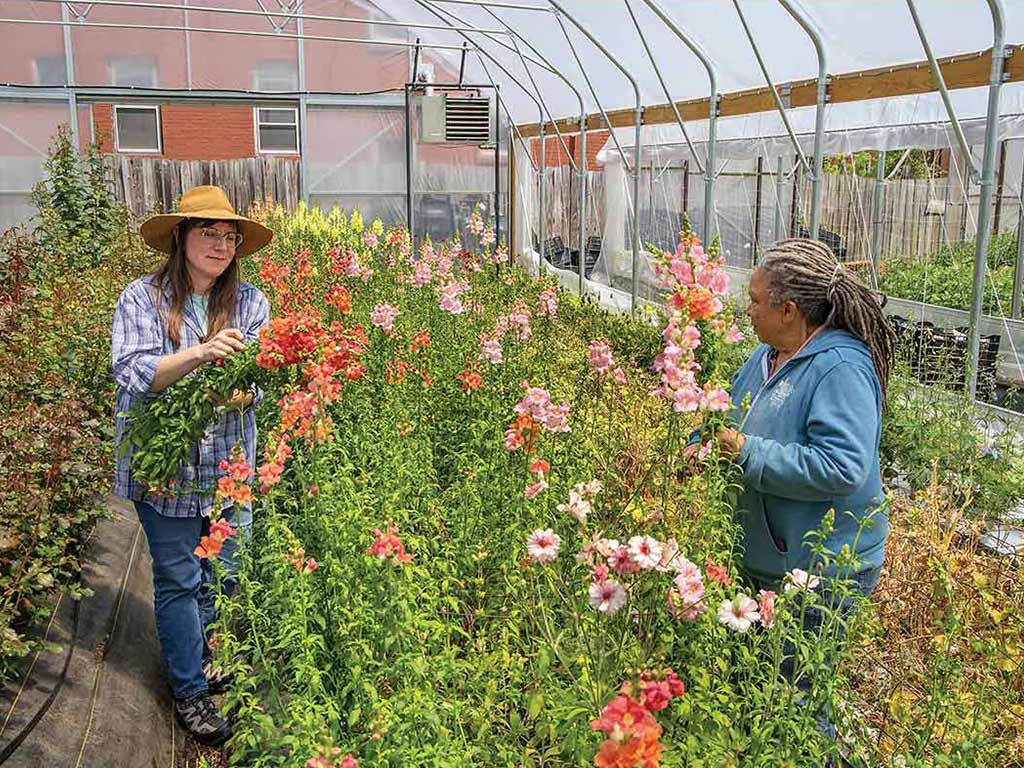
[(578, 507), (766, 606), (535, 489), (536, 404), (383, 316), (548, 303), (421, 273), (600, 358), (490, 350), (450, 301)]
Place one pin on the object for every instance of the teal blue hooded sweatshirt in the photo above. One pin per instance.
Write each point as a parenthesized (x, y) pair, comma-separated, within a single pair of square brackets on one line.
[(812, 437)]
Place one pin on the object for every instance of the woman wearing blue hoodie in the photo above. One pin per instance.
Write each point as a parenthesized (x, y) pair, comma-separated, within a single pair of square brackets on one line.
[(808, 415), (808, 443)]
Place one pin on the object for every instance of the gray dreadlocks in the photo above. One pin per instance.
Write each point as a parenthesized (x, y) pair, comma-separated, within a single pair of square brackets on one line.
[(807, 273)]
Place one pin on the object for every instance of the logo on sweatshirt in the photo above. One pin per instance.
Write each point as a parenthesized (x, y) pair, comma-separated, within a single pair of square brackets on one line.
[(780, 394)]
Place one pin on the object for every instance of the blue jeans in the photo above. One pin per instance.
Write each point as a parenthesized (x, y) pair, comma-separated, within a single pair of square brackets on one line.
[(183, 591), (865, 582)]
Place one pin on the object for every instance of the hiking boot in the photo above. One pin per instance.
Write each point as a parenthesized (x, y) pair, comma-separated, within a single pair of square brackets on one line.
[(217, 681), (200, 718)]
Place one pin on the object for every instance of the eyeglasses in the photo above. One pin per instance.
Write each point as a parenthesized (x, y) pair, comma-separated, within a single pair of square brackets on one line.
[(230, 239)]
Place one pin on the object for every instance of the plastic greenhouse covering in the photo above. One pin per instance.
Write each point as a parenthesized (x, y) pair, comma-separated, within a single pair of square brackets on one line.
[(349, 78)]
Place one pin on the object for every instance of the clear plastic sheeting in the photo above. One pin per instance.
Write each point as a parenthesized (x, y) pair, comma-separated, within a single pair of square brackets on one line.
[(855, 40), (355, 158), (448, 181), (26, 130)]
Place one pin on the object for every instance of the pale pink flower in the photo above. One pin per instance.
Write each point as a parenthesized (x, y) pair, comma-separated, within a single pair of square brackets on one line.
[(542, 545), (588, 490), (532, 491), (716, 399), (687, 399), (578, 507), (556, 418), (370, 239), (620, 377), (500, 255), (686, 602), (488, 237), (645, 551), (766, 604), (622, 562), (421, 273), (450, 301), (383, 316), (800, 579), (608, 596), (671, 557), (607, 547), (548, 303), (490, 350), (600, 573), (600, 356), (739, 613), (734, 335)]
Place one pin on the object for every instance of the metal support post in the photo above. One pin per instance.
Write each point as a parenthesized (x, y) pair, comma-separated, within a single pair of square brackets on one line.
[(497, 169), (1018, 264), (664, 87), (819, 112), (188, 47), (408, 167), (69, 74), (940, 81), (708, 231), (540, 198), (303, 112), (756, 249), (779, 179), (1000, 178), (985, 199), (637, 147), (878, 199)]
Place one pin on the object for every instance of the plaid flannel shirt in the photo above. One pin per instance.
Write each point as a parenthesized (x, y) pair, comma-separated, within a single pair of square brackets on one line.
[(139, 339)]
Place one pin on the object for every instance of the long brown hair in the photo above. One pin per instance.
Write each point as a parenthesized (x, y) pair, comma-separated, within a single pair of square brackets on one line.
[(807, 273), (174, 272)]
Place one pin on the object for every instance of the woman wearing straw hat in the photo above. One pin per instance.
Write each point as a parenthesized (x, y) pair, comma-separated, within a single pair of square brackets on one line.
[(192, 311)]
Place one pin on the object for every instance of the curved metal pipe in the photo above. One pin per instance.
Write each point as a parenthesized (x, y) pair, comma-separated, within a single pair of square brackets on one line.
[(708, 231), (638, 121), (819, 111), (987, 182), (581, 167)]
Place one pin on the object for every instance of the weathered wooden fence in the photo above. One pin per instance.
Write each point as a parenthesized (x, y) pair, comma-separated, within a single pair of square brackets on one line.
[(148, 184)]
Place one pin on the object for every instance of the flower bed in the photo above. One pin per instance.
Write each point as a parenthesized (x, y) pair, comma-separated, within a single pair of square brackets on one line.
[(476, 540)]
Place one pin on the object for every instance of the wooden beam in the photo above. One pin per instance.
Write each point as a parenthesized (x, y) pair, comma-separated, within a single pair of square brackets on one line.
[(963, 71)]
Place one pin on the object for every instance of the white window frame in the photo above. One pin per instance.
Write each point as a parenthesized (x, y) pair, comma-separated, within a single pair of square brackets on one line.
[(256, 128), (149, 60), (159, 131)]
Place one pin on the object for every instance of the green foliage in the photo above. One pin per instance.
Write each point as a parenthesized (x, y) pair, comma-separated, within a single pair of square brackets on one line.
[(946, 277), (920, 163), (78, 221), (56, 389)]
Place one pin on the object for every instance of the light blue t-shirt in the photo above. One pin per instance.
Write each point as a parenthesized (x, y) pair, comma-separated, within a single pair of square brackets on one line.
[(200, 304)]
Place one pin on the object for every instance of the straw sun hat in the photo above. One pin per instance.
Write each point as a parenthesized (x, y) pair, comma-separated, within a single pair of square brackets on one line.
[(204, 203)]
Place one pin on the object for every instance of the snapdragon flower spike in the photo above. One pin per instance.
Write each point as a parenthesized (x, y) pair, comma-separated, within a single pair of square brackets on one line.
[(388, 546), (633, 735), (548, 303), (600, 357)]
